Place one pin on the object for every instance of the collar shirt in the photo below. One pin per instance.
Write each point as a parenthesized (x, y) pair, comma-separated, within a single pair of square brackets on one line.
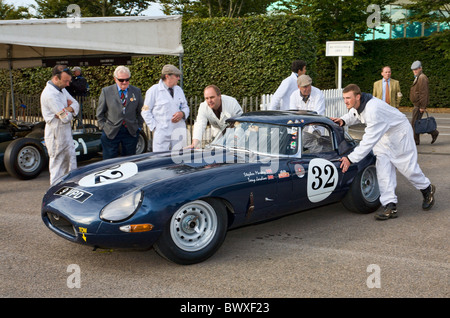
[(53, 101), (230, 108), (281, 97), (315, 102), (384, 125)]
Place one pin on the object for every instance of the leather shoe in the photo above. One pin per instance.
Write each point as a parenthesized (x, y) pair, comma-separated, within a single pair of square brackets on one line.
[(434, 136)]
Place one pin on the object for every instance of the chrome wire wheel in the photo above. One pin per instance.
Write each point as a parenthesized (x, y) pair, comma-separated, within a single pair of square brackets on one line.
[(369, 184), (193, 226), (29, 158)]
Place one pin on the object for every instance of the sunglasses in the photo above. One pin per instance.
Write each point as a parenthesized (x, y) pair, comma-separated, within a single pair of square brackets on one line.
[(123, 79)]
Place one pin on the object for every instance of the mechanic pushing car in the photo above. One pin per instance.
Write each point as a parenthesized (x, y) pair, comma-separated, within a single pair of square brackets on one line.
[(58, 109), (390, 135)]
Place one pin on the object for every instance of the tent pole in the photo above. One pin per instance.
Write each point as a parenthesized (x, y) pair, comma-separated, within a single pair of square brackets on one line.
[(180, 59), (11, 83)]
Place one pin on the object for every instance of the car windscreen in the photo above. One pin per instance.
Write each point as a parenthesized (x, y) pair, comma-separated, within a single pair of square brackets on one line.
[(260, 138)]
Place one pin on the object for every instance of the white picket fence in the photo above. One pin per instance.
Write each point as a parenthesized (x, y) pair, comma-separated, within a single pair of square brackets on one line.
[(334, 103)]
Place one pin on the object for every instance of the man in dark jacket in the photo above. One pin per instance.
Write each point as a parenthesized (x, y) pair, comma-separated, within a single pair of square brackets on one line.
[(79, 85), (419, 96)]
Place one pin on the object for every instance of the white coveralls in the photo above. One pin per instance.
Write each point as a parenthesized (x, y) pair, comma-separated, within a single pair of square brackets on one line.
[(58, 131), (158, 109), (315, 102), (390, 135), (280, 99), (230, 108)]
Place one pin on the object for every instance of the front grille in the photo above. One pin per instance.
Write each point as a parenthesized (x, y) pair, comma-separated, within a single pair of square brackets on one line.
[(61, 223)]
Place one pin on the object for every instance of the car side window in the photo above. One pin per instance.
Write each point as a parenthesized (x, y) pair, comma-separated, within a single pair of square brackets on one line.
[(316, 138)]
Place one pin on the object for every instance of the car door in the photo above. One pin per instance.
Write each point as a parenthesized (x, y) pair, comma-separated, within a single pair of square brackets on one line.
[(315, 174)]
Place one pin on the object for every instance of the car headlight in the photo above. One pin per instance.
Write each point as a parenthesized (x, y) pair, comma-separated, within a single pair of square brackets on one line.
[(122, 208)]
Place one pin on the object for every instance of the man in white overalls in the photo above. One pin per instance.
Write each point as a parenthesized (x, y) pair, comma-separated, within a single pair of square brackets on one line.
[(390, 136), (165, 111), (58, 109)]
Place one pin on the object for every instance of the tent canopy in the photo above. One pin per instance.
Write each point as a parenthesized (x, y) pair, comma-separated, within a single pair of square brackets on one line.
[(26, 43)]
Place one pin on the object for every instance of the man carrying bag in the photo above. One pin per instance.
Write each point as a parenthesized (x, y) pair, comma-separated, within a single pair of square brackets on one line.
[(419, 97)]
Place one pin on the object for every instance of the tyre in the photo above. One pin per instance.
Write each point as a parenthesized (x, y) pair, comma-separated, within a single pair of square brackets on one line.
[(142, 144), (364, 194), (25, 158), (194, 232)]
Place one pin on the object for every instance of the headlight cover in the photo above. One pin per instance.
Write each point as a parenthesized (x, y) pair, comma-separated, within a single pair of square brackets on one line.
[(122, 208)]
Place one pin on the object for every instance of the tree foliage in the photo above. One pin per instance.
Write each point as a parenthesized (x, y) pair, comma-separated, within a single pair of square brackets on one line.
[(90, 8), (215, 8), (9, 12), (428, 11)]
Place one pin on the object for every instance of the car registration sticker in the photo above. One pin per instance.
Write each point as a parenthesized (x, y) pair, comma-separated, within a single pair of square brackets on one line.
[(75, 194)]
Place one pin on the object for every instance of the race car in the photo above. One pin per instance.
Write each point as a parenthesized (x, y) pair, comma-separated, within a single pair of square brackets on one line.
[(264, 165), (22, 147)]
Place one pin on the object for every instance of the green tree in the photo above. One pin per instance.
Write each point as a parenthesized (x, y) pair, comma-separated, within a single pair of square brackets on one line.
[(338, 21), (428, 11), (90, 8), (9, 12), (215, 8)]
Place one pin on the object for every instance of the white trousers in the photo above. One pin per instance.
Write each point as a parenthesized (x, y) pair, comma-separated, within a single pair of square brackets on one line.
[(61, 150), (397, 150)]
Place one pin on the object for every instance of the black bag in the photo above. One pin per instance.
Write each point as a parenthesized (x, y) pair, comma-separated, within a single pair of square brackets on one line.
[(425, 125)]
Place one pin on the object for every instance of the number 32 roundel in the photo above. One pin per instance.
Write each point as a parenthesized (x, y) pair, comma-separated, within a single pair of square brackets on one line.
[(322, 179)]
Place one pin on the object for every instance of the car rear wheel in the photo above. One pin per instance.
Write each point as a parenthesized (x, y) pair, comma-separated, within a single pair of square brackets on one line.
[(194, 232), (142, 144), (25, 158), (364, 194)]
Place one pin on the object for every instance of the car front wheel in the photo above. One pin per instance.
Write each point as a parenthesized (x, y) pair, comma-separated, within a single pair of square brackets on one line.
[(364, 194), (194, 232)]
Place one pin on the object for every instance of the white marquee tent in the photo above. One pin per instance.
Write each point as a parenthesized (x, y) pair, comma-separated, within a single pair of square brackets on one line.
[(29, 43)]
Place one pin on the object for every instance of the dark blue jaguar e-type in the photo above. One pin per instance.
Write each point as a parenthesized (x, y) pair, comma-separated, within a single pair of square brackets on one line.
[(262, 166)]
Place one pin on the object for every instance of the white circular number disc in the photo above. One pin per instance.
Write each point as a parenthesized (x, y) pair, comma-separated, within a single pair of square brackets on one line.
[(111, 175), (322, 179)]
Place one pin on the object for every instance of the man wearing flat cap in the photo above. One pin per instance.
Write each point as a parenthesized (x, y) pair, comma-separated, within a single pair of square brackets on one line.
[(419, 96), (165, 111), (307, 97)]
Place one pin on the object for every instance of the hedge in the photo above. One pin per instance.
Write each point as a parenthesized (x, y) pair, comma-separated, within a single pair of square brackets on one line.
[(251, 56)]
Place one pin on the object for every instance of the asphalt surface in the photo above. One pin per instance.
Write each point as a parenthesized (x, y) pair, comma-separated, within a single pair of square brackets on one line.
[(326, 252)]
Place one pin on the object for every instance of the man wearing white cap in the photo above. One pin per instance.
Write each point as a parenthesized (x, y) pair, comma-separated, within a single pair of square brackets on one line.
[(419, 96), (165, 111), (307, 97)]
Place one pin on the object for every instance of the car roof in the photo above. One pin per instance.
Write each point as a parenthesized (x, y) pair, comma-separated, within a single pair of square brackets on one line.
[(287, 117)]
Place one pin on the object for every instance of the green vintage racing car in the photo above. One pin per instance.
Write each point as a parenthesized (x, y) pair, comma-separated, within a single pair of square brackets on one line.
[(22, 148)]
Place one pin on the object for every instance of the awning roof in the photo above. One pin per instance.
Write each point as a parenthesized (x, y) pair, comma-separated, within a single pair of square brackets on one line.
[(27, 42)]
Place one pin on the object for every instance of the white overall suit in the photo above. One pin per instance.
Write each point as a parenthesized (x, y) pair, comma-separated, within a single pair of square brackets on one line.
[(58, 130), (230, 108), (159, 107), (390, 135)]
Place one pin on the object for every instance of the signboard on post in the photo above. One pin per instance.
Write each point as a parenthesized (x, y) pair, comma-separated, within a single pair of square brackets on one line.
[(340, 49)]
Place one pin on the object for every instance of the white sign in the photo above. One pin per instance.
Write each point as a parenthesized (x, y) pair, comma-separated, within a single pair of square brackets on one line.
[(339, 48)]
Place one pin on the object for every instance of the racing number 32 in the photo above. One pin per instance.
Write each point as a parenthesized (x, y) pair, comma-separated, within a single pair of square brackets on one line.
[(322, 179)]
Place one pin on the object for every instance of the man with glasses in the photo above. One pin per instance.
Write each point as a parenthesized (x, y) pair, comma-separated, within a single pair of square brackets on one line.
[(165, 111), (119, 115), (58, 109)]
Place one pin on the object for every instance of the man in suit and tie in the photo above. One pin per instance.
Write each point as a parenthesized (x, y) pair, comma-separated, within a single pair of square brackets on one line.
[(387, 89), (119, 115)]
